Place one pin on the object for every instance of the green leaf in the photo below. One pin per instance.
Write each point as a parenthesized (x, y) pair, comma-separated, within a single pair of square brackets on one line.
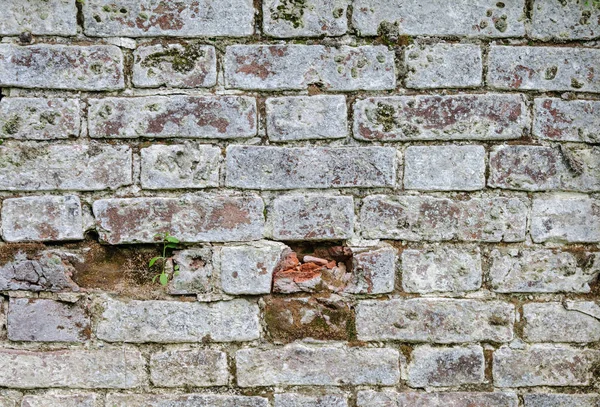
[(171, 246), (154, 278), (176, 267), (176, 273), (153, 260), (171, 239), (164, 279)]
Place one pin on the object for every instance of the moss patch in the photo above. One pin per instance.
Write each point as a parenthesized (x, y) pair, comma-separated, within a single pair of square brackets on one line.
[(290, 10), (182, 61)]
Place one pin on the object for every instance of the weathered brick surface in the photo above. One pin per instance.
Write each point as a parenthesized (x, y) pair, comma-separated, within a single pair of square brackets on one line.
[(444, 168), (373, 270), (192, 218), (180, 166), (189, 367), (561, 120), (54, 17), (45, 271), (10, 398), (133, 18), (39, 118), (178, 65), (221, 117), (441, 269), (173, 321), (319, 365), (441, 367), (278, 67), (196, 271), (109, 368), (543, 271), (42, 218), (91, 67), (184, 400), (36, 167), (417, 218), (43, 320), (435, 320), (537, 168), (62, 400), (556, 365), (544, 68), (565, 219), (424, 117), (443, 66), (369, 398), (481, 18), (317, 167), (300, 400), (561, 400), (312, 18), (306, 117), (552, 322), (312, 217), (565, 20)]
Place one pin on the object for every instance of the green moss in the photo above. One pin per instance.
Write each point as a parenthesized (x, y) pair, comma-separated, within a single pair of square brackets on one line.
[(182, 61), (12, 125), (384, 115), (338, 12), (290, 10), (501, 24)]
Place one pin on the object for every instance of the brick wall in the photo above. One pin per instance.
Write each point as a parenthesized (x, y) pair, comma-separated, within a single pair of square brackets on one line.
[(379, 203)]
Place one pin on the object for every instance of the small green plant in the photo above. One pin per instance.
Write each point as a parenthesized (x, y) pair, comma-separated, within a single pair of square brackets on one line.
[(168, 242)]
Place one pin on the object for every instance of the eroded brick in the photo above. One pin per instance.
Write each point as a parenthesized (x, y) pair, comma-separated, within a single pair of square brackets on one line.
[(454, 117), (184, 400), (443, 66), (42, 218), (544, 68), (370, 398), (565, 219), (174, 166), (53, 17), (91, 67), (257, 167), (41, 167), (306, 117), (39, 118), (561, 120), (373, 270), (435, 320), (300, 364), (565, 20), (46, 271), (416, 218), (279, 67), (146, 18), (300, 400), (177, 65), (443, 367), (219, 117), (62, 400), (174, 321), (189, 367), (196, 271), (191, 218), (552, 322), (312, 18), (561, 400)]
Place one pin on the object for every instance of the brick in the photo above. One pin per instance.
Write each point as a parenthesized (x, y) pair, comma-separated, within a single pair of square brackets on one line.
[(91, 67), (109, 368), (177, 65), (544, 365), (369, 398), (191, 218), (189, 367), (444, 168), (184, 400), (218, 117), (248, 269), (40, 167), (318, 117), (295, 67), (561, 120), (312, 18), (465, 18), (257, 167), (312, 217), (146, 18), (300, 364), (39, 118), (442, 367), (538, 168), (416, 218), (443, 66), (174, 321), (54, 17), (62, 400), (44, 271), (561, 400), (300, 400), (441, 269), (435, 320), (10, 398), (552, 322), (455, 117), (42, 218), (373, 270), (180, 166), (196, 271), (41, 320), (565, 219), (564, 20), (543, 68), (542, 271)]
